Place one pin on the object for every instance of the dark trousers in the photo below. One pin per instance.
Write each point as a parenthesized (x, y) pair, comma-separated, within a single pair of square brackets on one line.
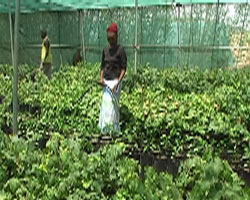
[(46, 68)]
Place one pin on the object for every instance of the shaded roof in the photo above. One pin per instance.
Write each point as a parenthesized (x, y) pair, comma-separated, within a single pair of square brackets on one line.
[(64, 5)]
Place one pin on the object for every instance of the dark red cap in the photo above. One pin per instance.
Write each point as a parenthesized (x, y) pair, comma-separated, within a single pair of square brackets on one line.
[(112, 28)]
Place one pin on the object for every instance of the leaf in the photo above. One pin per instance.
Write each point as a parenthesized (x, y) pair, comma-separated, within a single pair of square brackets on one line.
[(86, 184), (13, 184), (2, 196)]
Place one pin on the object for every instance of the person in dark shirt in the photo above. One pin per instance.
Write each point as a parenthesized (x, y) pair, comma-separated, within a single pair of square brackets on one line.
[(113, 69), (114, 59)]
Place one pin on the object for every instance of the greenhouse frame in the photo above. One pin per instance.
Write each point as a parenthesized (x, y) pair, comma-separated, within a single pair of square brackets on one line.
[(175, 125), (185, 32)]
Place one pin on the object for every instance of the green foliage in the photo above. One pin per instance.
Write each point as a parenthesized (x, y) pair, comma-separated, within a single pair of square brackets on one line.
[(181, 111), (161, 186), (209, 178), (63, 170)]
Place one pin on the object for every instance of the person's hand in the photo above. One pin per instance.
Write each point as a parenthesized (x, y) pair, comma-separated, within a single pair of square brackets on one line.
[(115, 88)]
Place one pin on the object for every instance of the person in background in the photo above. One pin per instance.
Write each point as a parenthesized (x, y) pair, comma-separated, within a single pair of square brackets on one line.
[(113, 69), (46, 55), (77, 58)]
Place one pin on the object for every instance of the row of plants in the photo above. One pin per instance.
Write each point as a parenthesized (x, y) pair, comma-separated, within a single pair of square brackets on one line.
[(178, 111), (67, 168), (172, 109)]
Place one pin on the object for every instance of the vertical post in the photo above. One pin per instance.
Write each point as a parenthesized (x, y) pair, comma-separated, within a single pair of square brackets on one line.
[(82, 35), (215, 27), (190, 40), (141, 28), (59, 37), (242, 29), (136, 30), (15, 71), (179, 34), (11, 35), (165, 37)]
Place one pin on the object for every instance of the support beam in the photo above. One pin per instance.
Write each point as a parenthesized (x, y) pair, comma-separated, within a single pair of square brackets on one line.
[(242, 29), (82, 35), (136, 33), (191, 46), (11, 36), (179, 34), (15, 71), (59, 36), (215, 30), (190, 37)]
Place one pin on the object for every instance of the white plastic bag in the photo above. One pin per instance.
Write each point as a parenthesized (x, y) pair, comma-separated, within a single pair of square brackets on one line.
[(109, 112)]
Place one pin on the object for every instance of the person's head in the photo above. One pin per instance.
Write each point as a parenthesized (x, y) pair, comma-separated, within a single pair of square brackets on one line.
[(112, 34), (43, 34)]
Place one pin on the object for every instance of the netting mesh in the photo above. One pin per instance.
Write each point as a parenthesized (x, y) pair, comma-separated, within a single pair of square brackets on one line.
[(205, 35)]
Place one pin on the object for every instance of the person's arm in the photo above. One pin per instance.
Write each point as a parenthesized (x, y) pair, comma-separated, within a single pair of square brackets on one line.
[(101, 77), (46, 44), (123, 70), (102, 70)]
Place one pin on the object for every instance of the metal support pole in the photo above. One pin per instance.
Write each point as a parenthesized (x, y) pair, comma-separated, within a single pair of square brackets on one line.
[(15, 71), (141, 35), (136, 30), (242, 28), (185, 47), (59, 36), (179, 35), (215, 27), (165, 37), (82, 36), (190, 39), (11, 36)]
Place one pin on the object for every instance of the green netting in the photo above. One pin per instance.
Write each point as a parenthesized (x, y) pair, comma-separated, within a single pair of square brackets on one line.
[(191, 35), (62, 5)]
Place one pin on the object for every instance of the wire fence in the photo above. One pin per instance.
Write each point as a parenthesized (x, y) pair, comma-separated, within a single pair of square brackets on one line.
[(204, 35)]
